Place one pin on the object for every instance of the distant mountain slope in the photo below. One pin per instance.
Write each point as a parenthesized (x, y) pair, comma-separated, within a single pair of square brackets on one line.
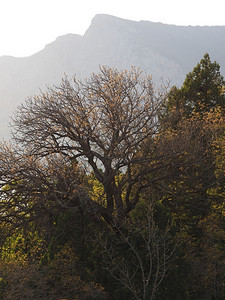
[(166, 51)]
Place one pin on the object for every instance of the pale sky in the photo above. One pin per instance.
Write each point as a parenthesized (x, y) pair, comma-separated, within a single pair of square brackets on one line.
[(26, 26)]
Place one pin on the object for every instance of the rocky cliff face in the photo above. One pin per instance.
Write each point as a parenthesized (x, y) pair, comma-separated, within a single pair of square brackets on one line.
[(161, 50)]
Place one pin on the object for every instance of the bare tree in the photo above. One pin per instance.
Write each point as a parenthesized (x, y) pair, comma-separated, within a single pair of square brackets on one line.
[(139, 254), (103, 121)]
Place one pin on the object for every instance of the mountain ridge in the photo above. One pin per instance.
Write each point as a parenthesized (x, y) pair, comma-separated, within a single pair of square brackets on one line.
[(168, 51)]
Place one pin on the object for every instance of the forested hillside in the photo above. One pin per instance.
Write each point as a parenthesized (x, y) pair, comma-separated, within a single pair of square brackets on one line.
[(111, 189)]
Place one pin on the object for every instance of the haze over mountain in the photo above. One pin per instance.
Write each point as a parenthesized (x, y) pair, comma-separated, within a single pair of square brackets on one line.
[(167, 51)]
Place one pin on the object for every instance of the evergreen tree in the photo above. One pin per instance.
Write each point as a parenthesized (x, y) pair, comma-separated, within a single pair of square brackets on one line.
[(202, 89)]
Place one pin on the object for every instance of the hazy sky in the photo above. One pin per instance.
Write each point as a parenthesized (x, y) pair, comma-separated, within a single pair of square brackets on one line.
[(26, 26)]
